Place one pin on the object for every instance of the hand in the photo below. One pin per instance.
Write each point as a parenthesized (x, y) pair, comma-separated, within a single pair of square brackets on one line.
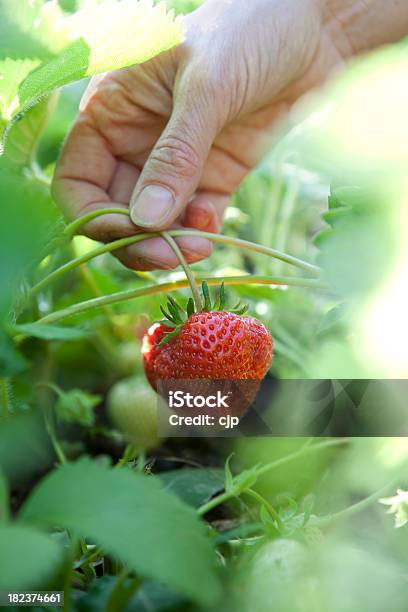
[(174, 137)]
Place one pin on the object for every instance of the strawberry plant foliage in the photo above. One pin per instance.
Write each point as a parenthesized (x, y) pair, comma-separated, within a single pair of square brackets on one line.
[(62, 48), (26, 571), (24, 135), (130, 516)]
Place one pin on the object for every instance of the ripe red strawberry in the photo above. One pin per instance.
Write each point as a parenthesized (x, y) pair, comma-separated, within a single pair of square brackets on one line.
[(208, 345)]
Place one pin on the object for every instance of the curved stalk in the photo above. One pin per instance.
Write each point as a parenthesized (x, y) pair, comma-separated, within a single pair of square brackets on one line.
[(258, 248), (72, 228), (360, 506), (123, 242), (305, 449), (250, 246), (129, 294), (77, 261), (187, 270)]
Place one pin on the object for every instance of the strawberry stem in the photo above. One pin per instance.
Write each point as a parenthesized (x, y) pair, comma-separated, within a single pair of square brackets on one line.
[(188, 272), (72, 228), (124, 242), (129, 294)]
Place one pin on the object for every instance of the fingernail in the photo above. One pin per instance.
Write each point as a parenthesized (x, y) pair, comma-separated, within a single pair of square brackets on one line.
[(152, 206)]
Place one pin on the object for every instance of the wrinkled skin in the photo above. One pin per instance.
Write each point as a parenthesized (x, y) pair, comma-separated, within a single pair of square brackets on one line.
[(197, 119)]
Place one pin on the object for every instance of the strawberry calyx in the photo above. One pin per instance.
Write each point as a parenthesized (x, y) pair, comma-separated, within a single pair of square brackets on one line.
[(176, 316)]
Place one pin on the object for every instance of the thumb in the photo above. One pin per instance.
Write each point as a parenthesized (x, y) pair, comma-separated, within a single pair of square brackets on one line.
[(171, 174)]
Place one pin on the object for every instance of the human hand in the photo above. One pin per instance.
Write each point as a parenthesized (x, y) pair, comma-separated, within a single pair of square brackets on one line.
[(174, 137)]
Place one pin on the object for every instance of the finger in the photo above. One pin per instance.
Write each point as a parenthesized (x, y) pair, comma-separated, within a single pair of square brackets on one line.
[(206, 212), (85, 169), (82, 178), (174, 167), (123, 182), (156, 254), (110, 226)]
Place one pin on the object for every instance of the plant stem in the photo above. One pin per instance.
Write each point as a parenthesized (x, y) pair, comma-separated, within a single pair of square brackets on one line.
[(77, 261), (266, 505), (187, 270), (69, 574), (4, 397), (49, 424), (89, 558), (141, 462), (250, 246), (214, 502), (324, 521), (123, 242), (129, 294), (130, 453), (54, 440), (75, 225), (90, 281), (287, 206), (122, 592), (307, 448), (72, 228), (103, 339)]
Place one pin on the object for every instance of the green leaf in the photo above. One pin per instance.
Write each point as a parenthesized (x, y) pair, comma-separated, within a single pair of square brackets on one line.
[(54, 49), (12, 74), (175, 311), (194, 486), (220, 301), (206, 296), (245, 480), (22, 140), (190, 307), (28, 558), (332, 217), (127, 33), (170, 335), (150, 597), (29, 224), (229, 478), (222, 297), (25, 449), (11, 361), (69, 66), (4, 498), (77, 406), (167, 323), (27, 28), (177, 308), (51, 332), (167, 315), (131, 517), (240, 309)]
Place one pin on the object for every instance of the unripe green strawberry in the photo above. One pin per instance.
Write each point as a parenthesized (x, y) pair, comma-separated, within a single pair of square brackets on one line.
[(272, 581), (132, 407), (129, 361)]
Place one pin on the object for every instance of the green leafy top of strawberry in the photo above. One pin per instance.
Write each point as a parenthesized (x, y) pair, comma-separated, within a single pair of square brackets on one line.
[(176, 315)]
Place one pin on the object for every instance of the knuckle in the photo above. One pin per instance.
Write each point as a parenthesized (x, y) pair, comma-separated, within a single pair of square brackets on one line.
[(209, 79), (177, 156)]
